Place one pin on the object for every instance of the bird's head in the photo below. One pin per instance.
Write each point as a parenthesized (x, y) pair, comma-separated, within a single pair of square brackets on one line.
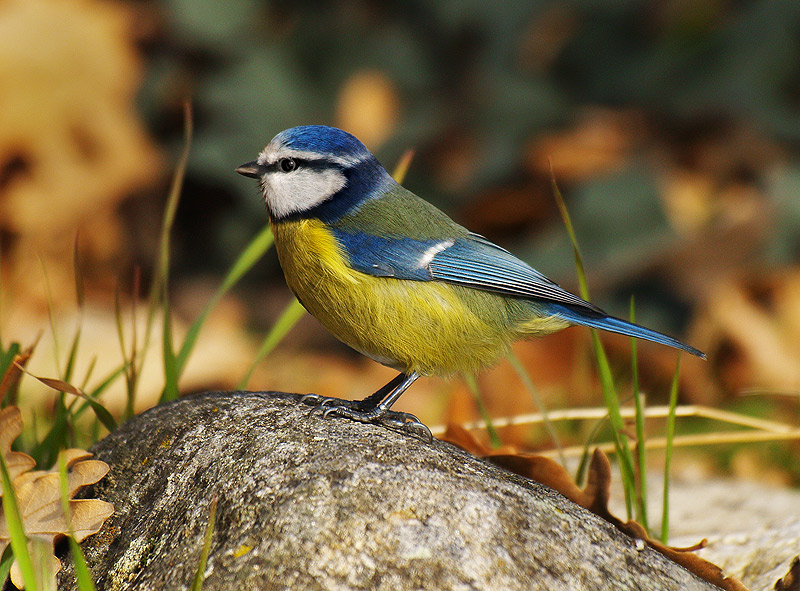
[(304, 167)]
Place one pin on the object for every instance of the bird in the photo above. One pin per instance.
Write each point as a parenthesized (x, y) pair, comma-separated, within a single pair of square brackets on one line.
[(395, 278)]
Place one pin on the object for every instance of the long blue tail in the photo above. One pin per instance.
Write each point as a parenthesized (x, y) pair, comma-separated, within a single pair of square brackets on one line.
[(588, 317)]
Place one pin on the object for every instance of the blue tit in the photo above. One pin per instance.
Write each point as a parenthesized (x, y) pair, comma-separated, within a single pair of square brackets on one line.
[(394, 277)]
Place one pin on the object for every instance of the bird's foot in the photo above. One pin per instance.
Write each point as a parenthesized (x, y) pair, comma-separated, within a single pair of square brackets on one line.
[(352, 409), (407, 423), (322, 402)]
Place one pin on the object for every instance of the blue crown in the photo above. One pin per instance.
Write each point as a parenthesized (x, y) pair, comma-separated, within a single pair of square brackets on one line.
[(321, 139)]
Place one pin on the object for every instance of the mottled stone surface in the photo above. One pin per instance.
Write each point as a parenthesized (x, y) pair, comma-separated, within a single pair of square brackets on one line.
[(313, 503)]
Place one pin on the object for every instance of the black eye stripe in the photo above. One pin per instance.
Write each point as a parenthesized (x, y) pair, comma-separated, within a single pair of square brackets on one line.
[(310, 164)]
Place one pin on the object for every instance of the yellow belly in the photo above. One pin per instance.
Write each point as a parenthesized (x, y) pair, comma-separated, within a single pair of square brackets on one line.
[(429, 327)]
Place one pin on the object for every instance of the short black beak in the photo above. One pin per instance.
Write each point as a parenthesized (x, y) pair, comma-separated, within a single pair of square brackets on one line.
[(252, 169)]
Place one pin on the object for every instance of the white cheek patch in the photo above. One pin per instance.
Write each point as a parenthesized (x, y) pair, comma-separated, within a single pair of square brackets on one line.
[(300, 190)]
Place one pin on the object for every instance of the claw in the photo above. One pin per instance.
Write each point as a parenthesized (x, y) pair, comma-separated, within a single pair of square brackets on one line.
[(313, 399), (419, 429), (408, 423)]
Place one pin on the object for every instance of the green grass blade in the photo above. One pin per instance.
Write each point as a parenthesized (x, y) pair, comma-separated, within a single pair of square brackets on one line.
[(89, 372), (641, 448), (158, 299), (472, 383), (41, 553), (617, 423), (94, 394), (79, 293), (606, 380), (5, 565), (673, 403), (101, 412), (128, 363), (16, 530), (197, 584), (586, 456), (82, 574), (291, 315), (56, 438), (168, 220), (60, 428), (562, 208), (171, 376), (7, 357), (7, 382), (73, 353), (51, 312), (76, 265), (537, 400), (252, 253), (401, 169)]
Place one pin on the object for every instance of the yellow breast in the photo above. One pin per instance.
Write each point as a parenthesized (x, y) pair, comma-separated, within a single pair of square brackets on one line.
[(428, 327)]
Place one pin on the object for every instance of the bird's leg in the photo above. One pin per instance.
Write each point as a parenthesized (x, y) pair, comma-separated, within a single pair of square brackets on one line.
[(376, 407), (379, 396)]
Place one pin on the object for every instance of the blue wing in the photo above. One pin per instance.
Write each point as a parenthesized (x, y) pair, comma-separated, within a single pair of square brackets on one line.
[(473, 261)]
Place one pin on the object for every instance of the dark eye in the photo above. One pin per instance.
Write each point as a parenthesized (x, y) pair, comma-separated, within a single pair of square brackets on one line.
[(287, 164)]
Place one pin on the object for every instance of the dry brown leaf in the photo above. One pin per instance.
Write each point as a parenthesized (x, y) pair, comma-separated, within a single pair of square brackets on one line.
[(10, 429), (597, 144), (593, 497), (13, 375), (757, 324), (70, 136), (791, 582), (38, 494)]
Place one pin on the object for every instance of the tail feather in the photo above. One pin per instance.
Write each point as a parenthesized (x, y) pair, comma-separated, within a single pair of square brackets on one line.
[(593, 319)]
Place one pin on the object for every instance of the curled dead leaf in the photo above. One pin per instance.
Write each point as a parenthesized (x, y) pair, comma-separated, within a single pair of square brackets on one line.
[(38, 494), (791, 582), (593, 497), (10, 429), (10, 381)]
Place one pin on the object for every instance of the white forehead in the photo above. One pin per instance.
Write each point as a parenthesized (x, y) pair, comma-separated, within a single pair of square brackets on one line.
[(276, 150)]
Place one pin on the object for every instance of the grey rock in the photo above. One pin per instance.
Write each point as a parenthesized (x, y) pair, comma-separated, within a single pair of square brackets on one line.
[(306, 502)]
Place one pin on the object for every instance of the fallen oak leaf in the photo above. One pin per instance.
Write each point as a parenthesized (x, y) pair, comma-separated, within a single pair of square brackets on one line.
[(38, 495), (10, 429), (598, 486), (39, 500), (791, 582), (594, 497)]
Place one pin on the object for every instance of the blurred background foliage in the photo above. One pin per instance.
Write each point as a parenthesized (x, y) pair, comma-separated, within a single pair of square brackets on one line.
[(672, 126)]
